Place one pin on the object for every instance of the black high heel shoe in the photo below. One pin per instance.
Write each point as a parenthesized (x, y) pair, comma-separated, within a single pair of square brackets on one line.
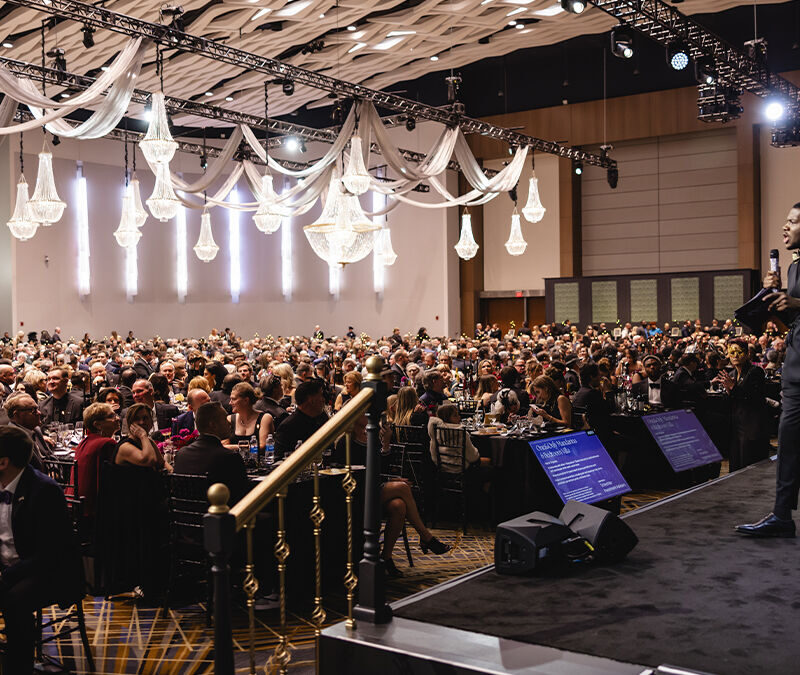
[(434, 546), (391, 569)]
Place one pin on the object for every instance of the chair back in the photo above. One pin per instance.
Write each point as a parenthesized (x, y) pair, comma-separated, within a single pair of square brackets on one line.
[(450, 447), (405, 434), (579, 418), (187, 505), (467, 407), (62, 471)]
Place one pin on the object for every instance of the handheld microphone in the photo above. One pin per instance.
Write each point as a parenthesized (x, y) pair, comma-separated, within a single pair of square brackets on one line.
[(773, 264)]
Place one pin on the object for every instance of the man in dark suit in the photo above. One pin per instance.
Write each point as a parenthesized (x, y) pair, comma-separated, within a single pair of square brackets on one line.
[(163, 413), (206, 455), (39, 559), (142, 365), (685, 378), (399, 367), (656, 389), (60, 406), (305, 420), (195, 398), (24, 414), (6, 379), (590, 400), (786, 304)]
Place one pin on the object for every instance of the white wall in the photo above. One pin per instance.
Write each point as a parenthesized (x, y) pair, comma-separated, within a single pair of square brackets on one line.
[(419, 288), (780, 190), (504, 272)]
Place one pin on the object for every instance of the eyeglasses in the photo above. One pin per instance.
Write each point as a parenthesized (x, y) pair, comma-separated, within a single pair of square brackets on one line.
[(30, 410)]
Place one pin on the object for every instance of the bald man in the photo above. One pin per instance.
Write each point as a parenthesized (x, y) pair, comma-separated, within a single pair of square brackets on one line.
[(195, 398), (6, 379)]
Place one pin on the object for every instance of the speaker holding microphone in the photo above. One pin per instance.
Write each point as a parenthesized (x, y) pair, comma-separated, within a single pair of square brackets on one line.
[(582, 532)]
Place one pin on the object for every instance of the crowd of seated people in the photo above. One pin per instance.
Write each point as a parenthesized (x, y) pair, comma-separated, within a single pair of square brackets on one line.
[(289, 386)]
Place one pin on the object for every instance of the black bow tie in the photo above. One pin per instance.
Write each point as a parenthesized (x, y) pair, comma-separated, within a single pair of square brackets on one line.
[(655, 385), (6, 497)]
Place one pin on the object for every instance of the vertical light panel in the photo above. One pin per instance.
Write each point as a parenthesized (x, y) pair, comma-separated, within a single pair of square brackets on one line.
[(378, 267), (334, 280), (234, 242), (287, 279), (131, 272), (82, 202), (181, 267)]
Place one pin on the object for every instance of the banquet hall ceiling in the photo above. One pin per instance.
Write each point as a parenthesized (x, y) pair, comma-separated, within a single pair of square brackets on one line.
[(392, 41)]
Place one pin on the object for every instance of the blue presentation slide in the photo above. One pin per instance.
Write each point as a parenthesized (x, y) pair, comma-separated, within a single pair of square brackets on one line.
[(579, 467), (682, 439)]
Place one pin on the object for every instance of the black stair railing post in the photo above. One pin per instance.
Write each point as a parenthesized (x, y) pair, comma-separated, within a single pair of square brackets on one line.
[(372, 605)]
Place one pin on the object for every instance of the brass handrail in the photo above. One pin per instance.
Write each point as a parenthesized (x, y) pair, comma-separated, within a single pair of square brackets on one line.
[(276, 482)]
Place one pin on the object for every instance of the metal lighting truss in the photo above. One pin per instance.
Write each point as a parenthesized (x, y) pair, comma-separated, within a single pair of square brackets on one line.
[(182, 106), (735, 68), (99, 17)]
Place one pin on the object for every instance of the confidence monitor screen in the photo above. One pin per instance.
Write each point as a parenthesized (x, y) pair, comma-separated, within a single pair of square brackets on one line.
[(682, 439), (579, 467)]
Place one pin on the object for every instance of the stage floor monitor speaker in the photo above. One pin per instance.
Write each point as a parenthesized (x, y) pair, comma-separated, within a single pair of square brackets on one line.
[(610, 536), (526, 544)]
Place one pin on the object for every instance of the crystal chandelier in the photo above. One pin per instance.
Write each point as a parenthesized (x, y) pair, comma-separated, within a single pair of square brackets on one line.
[(466, 246), (206, 248), (533, 210), (44, 204), (383, 247), (342, 234), (127, 234), (356, 177), (515, 245), (163, 203), (22, 225), (268, 217), (136, 201), (157, 145)]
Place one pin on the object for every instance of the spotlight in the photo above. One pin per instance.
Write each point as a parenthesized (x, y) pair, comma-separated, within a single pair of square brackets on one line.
[(704, 71), (774, 109), (203, 161), (677, 54), (56, 140), (577, 167), (8, 44), (573, 6), (59, 61), (229, 98), (411, 124), (612, 176), (288, 87), (434, 58), (622, 42), (351, 28), (292, 144), (88, 36), (175, 14), (209, 93)]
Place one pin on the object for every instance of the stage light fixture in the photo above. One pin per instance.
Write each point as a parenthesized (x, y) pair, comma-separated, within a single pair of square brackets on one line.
[(774, 109), (612, 176), (573, 6), (59, 61), (411, 124), (56, 140), (577, 167), (175, 14), (704, 70), (288, 87), (622, 42), (677, 54), (292, 144), (88, 36)]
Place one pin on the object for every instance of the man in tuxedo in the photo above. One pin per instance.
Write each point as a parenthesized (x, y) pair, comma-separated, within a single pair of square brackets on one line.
[(400, 359), (24, 414), (305, 420), (6, 379), (206, 455), (685, 378), (195, 398), (163, 413), (60, 406), (39, 558), (590, 401), (656, 389), (786, 304)]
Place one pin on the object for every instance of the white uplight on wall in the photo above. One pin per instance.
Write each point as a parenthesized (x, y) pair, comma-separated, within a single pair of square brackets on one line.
[(234, 241), (287, 279), (378, 264), (82, 203), (181, 263), (334, 280), (131, 273)]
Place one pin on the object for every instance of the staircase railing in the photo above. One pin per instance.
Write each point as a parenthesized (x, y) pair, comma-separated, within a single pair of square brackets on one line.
[(222, 523)]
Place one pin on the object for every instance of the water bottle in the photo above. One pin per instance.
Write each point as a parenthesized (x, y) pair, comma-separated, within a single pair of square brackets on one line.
[(254, 451), (269, 451)]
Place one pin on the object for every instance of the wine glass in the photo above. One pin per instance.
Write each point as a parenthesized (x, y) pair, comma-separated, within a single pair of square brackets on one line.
[(479, 418)]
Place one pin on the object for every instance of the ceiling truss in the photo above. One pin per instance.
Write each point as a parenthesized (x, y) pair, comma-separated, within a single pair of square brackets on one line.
[(99, 17)]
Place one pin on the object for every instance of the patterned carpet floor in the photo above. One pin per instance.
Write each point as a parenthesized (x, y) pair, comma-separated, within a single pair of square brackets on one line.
[(127, 636)]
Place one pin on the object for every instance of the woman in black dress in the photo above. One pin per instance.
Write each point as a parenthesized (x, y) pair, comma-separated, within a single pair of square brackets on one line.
[(745, 384)]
